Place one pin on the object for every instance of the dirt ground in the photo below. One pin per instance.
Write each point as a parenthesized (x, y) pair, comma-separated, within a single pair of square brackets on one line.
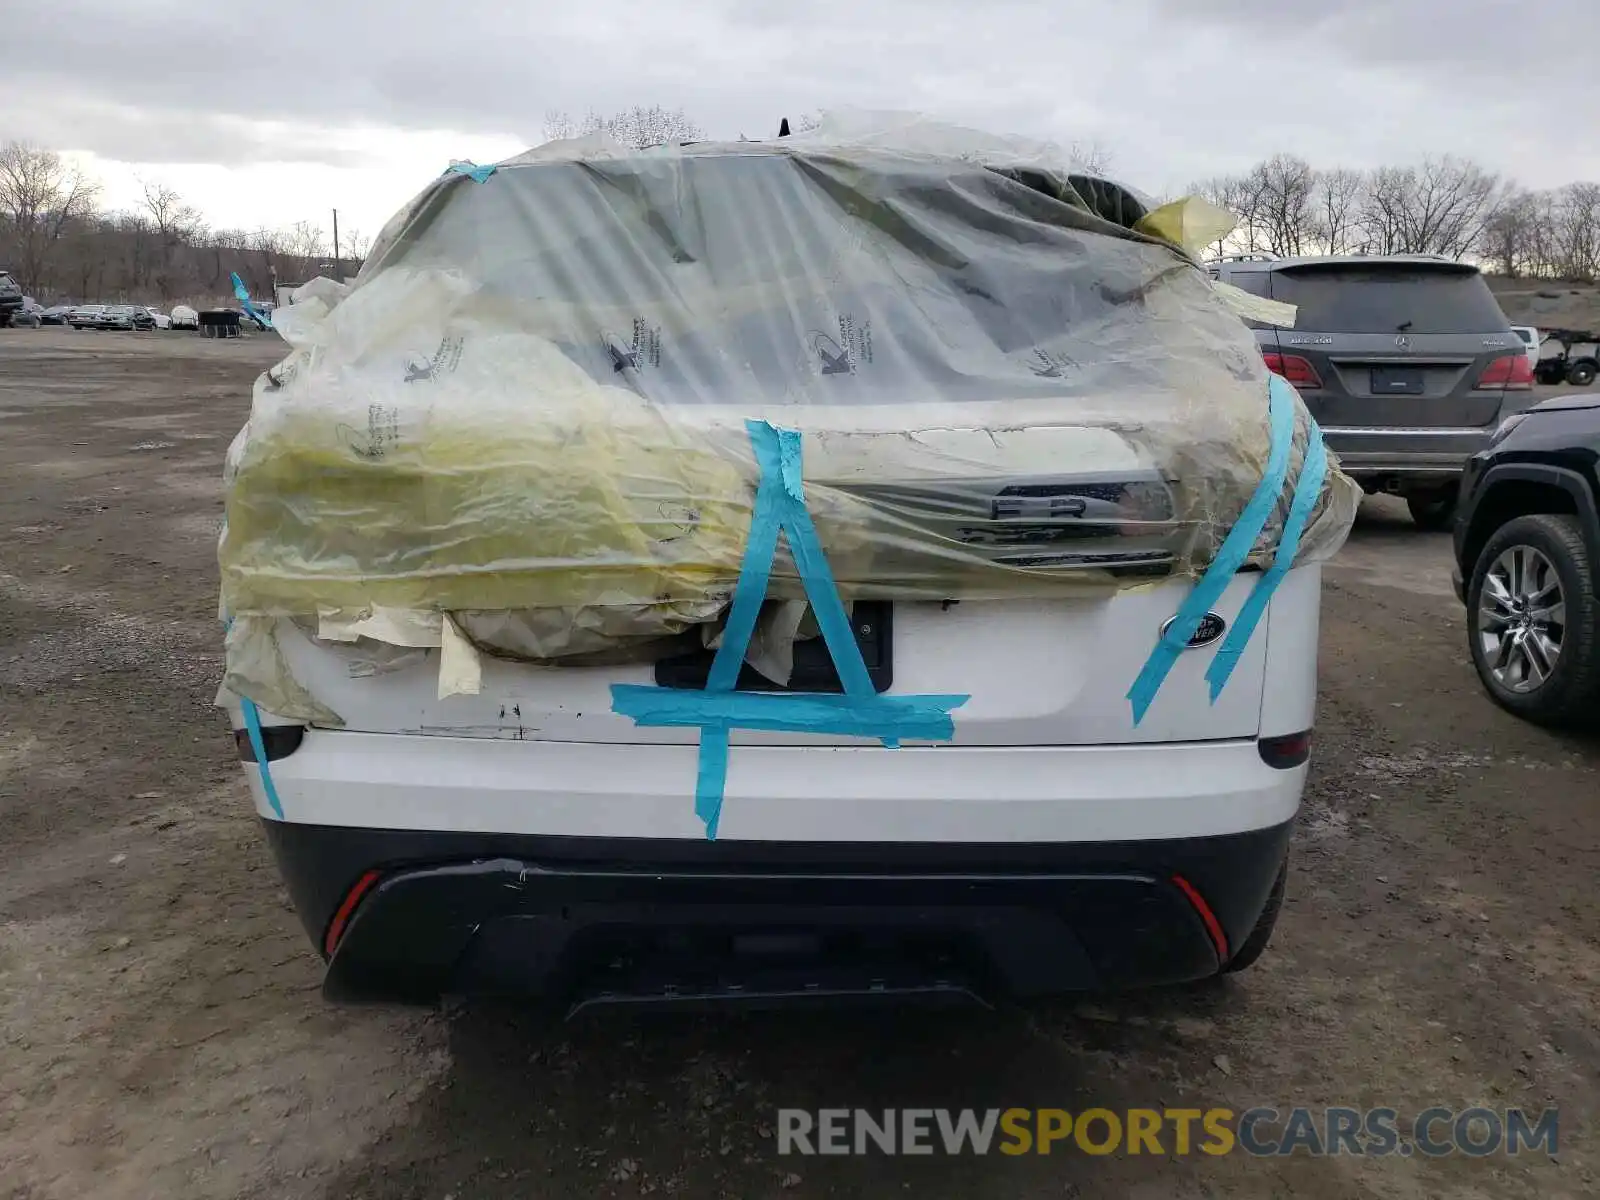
[(162, 1035), (1548, 304)]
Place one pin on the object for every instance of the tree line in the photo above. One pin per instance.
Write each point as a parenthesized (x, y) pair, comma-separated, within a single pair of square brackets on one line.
[(60, 244), (1443, 205)]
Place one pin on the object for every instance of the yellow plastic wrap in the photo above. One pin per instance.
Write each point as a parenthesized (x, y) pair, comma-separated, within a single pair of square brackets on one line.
[(1013, 381)]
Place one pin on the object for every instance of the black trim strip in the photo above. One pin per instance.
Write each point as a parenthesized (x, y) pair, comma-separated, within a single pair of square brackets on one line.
[(279, 741)]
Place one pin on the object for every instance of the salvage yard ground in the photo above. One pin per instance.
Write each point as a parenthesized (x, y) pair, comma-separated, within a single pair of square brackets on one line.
[(161, 1032)]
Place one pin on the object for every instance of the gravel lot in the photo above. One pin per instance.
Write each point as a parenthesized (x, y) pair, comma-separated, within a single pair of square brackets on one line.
[(161, 1032)]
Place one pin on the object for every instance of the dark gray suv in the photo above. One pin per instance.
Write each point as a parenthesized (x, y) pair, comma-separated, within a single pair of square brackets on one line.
[(1406, 361)]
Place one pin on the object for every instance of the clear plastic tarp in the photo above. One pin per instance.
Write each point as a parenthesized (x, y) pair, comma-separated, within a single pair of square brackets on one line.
[(1011, 377)]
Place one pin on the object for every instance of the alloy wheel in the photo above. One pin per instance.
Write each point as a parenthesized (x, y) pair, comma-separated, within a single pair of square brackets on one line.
[(1522, 619)]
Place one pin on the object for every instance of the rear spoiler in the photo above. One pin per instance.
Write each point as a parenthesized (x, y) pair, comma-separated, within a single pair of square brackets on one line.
[(1442, 266)]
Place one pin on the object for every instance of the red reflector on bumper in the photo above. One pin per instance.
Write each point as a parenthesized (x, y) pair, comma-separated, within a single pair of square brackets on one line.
[(341, 918), (1207, 917)]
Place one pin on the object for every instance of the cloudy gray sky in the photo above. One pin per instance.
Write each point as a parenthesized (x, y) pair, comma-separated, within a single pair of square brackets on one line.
[(272, 113)]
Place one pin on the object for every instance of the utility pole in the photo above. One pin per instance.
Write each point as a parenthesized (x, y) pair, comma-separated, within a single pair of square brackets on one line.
[(336, 278)]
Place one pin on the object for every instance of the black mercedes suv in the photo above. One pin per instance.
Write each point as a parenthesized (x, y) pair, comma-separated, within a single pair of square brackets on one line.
[(1527, 545)]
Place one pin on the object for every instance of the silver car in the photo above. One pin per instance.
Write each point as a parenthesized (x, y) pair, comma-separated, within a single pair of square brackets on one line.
[(1405, 361)]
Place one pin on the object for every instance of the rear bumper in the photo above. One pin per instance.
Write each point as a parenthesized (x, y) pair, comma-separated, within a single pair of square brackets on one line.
[(612, 920), (1433, 454), (957, 795)]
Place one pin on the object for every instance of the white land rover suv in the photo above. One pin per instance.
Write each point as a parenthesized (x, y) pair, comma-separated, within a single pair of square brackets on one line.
[(529, 836)]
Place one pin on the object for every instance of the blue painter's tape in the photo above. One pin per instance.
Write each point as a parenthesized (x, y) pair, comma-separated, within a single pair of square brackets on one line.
[(711, 779), (1313, 470), (860, 712), (243, 295), (1235, 549), (925, 718), (471, 170), (788, 460), (252, 724), (778, 451), (766, 522), (258, 745)]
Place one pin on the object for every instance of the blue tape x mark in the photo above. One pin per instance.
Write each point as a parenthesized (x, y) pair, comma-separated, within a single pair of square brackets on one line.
[(1236, 549), (780, 508)]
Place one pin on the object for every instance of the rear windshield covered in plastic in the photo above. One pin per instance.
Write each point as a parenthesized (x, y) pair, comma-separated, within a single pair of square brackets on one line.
[(1389, 300), (882, 278)]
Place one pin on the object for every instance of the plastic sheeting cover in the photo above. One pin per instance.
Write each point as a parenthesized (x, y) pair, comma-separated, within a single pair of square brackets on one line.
[(529, 411)]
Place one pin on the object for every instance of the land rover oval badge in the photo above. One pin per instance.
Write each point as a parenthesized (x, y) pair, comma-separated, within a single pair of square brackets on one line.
[(1211, 627)]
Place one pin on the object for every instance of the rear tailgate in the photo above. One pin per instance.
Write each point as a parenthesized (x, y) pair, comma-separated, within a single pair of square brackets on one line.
[(1395, 344), (1038, 672)]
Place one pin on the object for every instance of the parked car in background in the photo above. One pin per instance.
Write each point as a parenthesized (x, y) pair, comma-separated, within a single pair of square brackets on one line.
[(1406, 361), (1528, 562), (55, 315), (127, 317), (27, 316), (184, 317), (10, 298), (86, 316), (160, 318), (1531, 338)]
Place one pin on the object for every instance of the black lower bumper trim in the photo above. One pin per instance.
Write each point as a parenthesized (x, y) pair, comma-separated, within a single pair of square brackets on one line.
[(616, 921)]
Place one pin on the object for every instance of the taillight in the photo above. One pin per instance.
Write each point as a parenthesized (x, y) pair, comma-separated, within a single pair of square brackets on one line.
[(1510, 371), (1286, 751), (1293, 368)]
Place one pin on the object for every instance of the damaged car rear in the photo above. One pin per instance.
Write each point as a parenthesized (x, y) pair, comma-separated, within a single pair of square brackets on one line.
[(871, 564)]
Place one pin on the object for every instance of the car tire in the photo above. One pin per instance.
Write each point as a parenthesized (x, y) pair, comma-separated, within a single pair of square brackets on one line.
[(1555, 575), (1432, 511), (1581, 374), (1255, 945)]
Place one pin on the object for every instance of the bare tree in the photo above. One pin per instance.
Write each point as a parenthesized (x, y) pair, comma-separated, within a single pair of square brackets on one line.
[(1575, 232), (176, 224), (639, 127), (39, 195), (303, 239), (1281, 187), (1335, 201), (174, 220), (1454, 199), (354, 246), (1240, 195), (1510, 233), (1439, 207), (1384, 203)]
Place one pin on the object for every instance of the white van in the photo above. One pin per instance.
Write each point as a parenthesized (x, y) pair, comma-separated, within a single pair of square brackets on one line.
[(1531, 340), (533, 837)]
